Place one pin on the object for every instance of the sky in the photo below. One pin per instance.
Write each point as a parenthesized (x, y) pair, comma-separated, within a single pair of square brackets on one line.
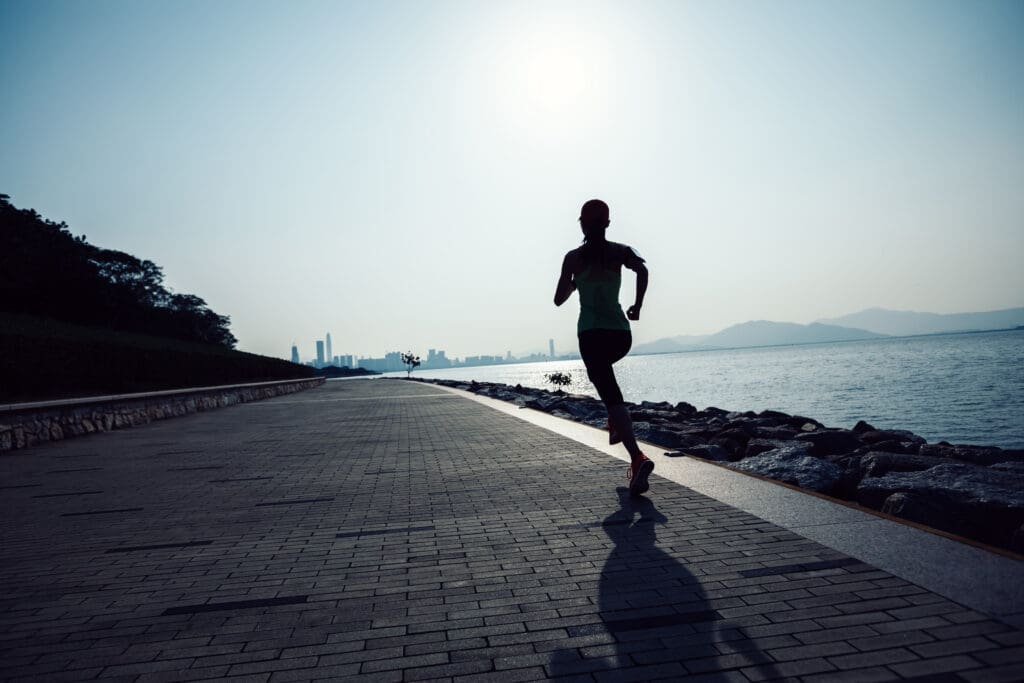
[(407, 175)]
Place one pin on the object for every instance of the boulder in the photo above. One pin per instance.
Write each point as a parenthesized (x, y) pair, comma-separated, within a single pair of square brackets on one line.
[(1016, 543), (758, 446), (831, 442), (804, 424), (792, 465), (649, 415), (505, 395), (880, 435), (875, 464), (660, 405), (775, 416), (926, 510), (987, 503), (979, 455), (582, 410), (661, 436), (782, 433), (734, 448), (708, 452), (1014, 467), (738, 437), (744, 427), (846, 487), (862, 427), (1013, 454), (959, 481), (904, 447), (684, 408)]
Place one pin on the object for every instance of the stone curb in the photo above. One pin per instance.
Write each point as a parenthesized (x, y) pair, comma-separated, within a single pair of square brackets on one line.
[(27, 424)]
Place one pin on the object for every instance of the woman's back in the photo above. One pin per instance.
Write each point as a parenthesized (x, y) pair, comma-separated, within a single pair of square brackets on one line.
[(598, 278)]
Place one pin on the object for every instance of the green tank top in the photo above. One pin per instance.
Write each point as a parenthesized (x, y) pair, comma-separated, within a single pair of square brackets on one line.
[(599, 300)]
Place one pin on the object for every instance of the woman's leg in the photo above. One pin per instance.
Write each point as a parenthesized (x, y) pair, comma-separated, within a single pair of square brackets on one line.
[(599, 350), (622, 423)]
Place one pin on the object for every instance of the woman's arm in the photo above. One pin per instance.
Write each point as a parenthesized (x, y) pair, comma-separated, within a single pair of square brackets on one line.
[(636, 264), (565, 285)]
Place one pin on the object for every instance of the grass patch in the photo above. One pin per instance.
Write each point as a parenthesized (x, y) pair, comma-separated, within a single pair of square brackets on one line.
[(43, 359)]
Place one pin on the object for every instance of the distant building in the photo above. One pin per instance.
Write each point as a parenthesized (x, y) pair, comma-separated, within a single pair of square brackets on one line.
[(330, 356), (391, 362), (436, 359), (295, 354), (482, 360), (551, 347), (319, 353)]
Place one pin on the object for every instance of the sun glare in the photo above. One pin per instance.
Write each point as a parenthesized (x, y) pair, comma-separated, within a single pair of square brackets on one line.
[(550, 80), (553, 79)]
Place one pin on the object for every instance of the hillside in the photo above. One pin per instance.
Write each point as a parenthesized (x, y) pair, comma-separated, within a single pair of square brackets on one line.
[(43, 359), (767, 333), (757, 333), (77, 320), (904, 323)]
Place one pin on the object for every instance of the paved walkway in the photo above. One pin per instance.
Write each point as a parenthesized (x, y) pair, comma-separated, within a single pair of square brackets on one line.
[(390, 531)]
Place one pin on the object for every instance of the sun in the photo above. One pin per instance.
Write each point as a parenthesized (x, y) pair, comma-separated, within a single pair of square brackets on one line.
[(550, 79), (553, 78)]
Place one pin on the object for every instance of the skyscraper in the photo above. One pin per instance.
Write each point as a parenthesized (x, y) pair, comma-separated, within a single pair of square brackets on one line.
[(330, 356), (319, 353), (295, 354), (551, 347)]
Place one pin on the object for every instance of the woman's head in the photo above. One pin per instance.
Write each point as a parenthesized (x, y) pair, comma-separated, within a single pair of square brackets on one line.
[(594, 218)]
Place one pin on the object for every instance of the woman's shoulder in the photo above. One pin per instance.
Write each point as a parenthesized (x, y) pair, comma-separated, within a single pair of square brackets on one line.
[(625, 251), (573, 254), (621, 250)]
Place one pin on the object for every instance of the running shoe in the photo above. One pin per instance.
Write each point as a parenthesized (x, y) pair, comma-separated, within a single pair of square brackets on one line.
[(613, 436), (637, 475)]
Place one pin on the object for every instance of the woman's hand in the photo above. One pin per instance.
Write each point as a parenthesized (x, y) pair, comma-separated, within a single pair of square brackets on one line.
[(633, 312)]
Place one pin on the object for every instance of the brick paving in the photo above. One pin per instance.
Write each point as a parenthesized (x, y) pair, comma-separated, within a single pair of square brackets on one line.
[(383, 531)]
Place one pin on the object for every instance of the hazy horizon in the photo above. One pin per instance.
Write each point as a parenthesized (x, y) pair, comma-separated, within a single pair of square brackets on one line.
[(408, 175)]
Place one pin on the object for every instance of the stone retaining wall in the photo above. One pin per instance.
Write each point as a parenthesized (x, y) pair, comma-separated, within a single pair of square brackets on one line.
[(25, 425)]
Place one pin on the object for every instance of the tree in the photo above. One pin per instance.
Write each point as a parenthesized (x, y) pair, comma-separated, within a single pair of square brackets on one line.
[(47, 271), (559, 379), (411, 361)]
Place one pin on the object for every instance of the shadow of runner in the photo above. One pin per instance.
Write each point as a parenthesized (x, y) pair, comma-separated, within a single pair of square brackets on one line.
[(655, 618)]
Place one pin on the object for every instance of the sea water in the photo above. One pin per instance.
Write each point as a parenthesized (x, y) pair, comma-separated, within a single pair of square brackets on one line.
[(961, 388)]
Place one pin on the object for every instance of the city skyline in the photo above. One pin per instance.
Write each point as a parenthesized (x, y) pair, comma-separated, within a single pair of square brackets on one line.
[(391, 361)]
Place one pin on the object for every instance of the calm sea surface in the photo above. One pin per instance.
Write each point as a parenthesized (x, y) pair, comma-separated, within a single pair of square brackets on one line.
[(962, 388)]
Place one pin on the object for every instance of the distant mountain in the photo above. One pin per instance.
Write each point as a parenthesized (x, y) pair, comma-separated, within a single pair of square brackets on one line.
[(767, 333), (671, 344), (903, 323), (757, 333)]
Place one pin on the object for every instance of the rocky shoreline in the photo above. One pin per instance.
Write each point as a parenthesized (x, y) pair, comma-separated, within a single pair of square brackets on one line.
[(972, 491)]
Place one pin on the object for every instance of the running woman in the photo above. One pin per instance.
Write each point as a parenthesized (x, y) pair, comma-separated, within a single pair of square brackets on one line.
[(595, 270)]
